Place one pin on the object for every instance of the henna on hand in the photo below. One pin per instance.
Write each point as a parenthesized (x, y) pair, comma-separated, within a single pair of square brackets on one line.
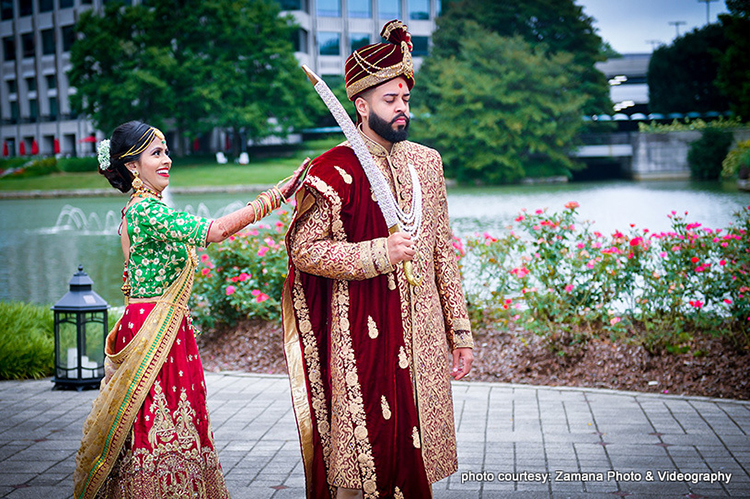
[(230, 224)]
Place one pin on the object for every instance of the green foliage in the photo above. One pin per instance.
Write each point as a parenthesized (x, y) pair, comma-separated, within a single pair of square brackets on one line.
[(27, 341), (707, 153), (242, 277), (200, 63), (737, 159), (85, 164), (681, 76), (499, 107), (734, 65), (568, 283), (687, 124), (32, 168), (8, 163), (550, 26)]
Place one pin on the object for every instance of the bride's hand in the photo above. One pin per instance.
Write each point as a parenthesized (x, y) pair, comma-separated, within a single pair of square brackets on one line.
[(295, 181)]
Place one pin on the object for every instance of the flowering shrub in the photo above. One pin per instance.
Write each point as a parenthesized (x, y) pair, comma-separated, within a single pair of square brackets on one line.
[(242, 276), (569, 283)]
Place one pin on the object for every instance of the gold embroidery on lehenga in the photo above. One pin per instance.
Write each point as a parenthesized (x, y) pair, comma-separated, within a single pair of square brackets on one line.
[(385, 407), (397, 494), (175, 465), (372, 328)]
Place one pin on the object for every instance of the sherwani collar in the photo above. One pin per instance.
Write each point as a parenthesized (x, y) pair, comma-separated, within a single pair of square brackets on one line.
[(377, 150)]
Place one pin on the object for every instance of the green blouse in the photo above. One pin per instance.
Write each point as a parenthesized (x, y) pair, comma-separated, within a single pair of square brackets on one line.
[(160, 243)]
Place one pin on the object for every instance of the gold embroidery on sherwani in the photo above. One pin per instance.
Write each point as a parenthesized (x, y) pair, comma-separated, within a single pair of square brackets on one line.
[(397, 494), (431, 315), (385, 407), (351, 398), (347, 178), (372, 328), (403, 360), (415, 437)]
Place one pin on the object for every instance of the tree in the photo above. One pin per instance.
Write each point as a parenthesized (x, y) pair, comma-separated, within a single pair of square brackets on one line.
[(553, 26), (193, 64), (734, 65), (681, 76), (500, 108)]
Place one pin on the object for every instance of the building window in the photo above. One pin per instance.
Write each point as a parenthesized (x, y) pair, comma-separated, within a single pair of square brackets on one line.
[(329, 43), (27, 44), (389, 9), (48, 41), (329, 8), (14, 114), (33, 110), (421, 45), (46, 5), (65, 4), (9, 48), (12, 87), (51, 82), (419, 9), (25, 7), (358, 40), (293, 5), (360, 8), (299, 40), (53, 108), (84, 2), (68, 37), (31, 84), (6, 10)]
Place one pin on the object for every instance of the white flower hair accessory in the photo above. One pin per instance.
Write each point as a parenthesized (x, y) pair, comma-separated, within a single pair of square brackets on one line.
[(102, 150)]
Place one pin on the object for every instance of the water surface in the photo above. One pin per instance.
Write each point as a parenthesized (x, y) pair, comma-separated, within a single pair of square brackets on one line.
[(42, 241)]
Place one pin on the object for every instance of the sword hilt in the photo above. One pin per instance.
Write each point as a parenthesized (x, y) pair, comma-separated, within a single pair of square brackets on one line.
[(411, 277)]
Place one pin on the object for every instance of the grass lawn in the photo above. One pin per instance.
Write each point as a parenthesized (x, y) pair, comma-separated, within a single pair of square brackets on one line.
[(188, 172)]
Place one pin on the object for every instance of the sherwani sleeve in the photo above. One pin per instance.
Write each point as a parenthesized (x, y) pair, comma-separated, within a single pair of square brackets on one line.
[(448, 277), (314, 251)]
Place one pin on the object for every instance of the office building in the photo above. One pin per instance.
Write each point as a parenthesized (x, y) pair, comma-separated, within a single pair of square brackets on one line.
[(35, 58)]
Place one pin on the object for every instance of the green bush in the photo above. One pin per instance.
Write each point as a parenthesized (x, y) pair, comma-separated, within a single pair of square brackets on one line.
[(27, 341), (568, 283), (707, 153), (85, 164), (736, 161), (35, 168), (8, 163), (242, 277)]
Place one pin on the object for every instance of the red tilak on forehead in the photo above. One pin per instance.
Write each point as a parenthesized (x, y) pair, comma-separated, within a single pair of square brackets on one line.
[(400, 85)]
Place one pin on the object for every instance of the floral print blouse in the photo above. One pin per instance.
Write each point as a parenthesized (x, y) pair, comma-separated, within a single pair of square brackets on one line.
[(160, 243)]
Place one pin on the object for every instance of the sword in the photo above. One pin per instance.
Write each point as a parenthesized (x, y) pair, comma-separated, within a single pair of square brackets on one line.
[(379, 185)]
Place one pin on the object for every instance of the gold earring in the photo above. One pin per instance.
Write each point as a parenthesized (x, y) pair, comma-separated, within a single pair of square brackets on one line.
[(137, 182)]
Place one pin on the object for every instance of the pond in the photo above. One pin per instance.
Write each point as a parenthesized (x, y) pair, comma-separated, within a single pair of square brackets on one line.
[(42, 241)]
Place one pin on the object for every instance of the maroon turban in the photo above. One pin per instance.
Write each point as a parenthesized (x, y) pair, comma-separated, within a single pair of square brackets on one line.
[(378, 63)]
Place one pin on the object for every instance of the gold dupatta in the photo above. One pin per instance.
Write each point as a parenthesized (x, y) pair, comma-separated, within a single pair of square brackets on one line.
[(129, 375)]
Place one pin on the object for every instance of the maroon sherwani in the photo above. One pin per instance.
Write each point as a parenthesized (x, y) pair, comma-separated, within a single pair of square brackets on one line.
[(368, 353)]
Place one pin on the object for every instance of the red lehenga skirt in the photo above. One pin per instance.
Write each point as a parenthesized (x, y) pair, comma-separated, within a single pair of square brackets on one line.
[(170, 450)]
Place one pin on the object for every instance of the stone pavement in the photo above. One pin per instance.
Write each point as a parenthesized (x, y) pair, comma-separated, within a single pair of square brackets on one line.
[(513, 441)]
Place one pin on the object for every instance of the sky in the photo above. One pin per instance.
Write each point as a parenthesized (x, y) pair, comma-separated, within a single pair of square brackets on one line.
[(630, 26)]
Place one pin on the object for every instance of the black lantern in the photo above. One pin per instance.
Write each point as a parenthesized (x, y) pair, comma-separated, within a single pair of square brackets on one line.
[(80, 332)]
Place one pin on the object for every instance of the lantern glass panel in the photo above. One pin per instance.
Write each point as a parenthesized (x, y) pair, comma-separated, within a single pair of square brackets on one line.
[(67, 346), (93, 360)]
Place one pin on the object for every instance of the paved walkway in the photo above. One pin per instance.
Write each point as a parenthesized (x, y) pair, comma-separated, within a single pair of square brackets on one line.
[(513, 441)]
